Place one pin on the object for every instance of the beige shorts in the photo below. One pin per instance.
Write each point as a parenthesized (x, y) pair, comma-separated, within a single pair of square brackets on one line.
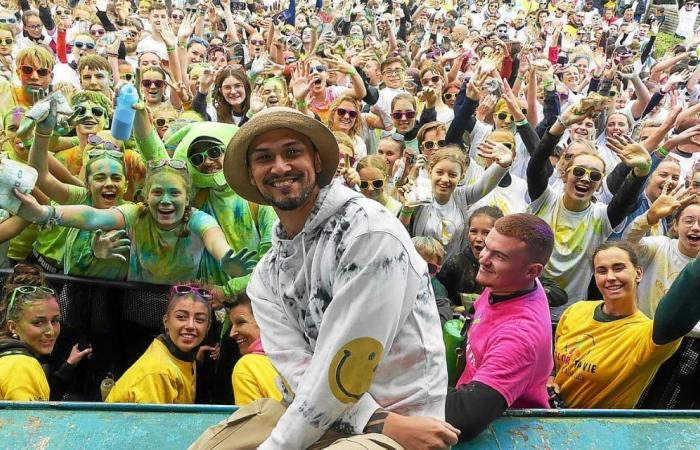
[(252, 424)]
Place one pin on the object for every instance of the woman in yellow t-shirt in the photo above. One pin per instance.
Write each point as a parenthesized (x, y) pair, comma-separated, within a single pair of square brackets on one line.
[(166, 372), (253, 375), (29, 327), (607, 352)]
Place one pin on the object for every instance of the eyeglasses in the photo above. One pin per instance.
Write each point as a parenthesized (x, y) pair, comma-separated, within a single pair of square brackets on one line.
[(257, 42), (176, 164), (690, 221), (8, 20), (81, 44), (450, 95), (376, 184), (177, 16), (211, 153), (320, 68), (34, 27), (96, 111), (181, 289), (504, 116), (148, 83), (126, 76), (342, 112), (434, 79), (25, 290), (162, 121), (580, 172), (398, 115), (98, 33), (429, 145), (28, 70), (392, 72), (6, 41), (96, 153)]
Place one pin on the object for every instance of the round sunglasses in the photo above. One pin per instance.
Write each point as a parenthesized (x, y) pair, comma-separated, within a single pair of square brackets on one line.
[(580, 172), (211, 153), (376, 184)]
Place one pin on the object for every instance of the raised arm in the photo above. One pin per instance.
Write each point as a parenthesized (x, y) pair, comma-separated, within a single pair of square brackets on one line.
[(679, 309), (38, 158), (75, 216), (635, 156)]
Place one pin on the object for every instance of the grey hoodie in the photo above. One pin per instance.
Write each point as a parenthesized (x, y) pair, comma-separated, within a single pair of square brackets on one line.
[(348, 317)]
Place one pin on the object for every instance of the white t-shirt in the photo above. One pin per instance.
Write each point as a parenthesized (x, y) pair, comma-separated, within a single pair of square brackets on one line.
[(148, 44), (64, 72), (686, 22), (478, 135), (576, 236), (511, 199)]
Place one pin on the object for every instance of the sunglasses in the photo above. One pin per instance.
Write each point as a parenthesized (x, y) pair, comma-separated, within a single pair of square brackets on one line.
[(429, 145), (342, 112), (178, 16), (96, 153), (432, 268), (34, 27), (398, 115), (10, 20), (504, 116), (180, 289), (449, 95), (97, 33), (96, 111), (162, 121), (392, 72), (394, 136), (148, 83), (176, 164), (126, 76), (434, 79), (580, 172), (25, 290), (376, 184), (28, 70), (211, 153), (81, 44), (317, 69), (60, 12), (6, 41), (95, 140), (257, 42)]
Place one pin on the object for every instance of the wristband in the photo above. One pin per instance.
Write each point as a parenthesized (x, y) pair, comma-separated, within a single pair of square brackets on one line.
[(521, 123), (41, 135), (353, 72), (561, 122), (404, 212), (167, 49), (662, 151), (548, 84)]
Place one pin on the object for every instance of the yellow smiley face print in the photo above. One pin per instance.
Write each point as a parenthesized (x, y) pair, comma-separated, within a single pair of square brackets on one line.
[(352, 368)]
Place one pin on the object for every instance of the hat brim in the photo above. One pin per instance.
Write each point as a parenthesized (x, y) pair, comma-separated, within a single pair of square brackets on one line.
[(236, 159)]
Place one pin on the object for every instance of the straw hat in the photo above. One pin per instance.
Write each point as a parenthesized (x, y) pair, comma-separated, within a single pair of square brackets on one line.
[(236, 159)]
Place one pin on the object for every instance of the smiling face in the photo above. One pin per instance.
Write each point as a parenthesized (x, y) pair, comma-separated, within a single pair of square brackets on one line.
[(244, 328), (394, 75), (372, 175), (616, 125), (479, 227), (96, 80), (84, 44), (167, 198), (33, 27), (38, 325), (106, 182), (390, 150), (187, 323), (615, 274), (344, 122), (404, 124), (158, 18), (153, 87), (283, 166), (583, 131), (273, 93), (233, 91), (667, 172), (445, 176), (162, 120), (503, 263), (92, 120), (580, 190), (12, 123), (6, 42), (687, 226)]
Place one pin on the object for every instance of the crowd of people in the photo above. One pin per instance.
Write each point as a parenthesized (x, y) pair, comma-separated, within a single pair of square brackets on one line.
[(320, 187)]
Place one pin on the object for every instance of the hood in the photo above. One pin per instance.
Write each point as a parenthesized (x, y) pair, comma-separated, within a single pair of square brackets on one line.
[(14, 347), (330, 199), (184, 137)]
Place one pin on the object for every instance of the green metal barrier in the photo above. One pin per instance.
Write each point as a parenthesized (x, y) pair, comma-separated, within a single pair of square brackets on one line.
[(165, 427)]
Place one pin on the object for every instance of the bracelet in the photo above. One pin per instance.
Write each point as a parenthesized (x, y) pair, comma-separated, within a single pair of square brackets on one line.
[(662, 151), (547, 84), (353, 72), (561, 122), (404, 212), (112, 55), (521, 123), (169, 49), (50, 220), (41, 135)]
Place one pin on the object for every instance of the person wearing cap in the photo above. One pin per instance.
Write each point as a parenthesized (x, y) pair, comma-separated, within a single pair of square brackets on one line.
[(343, 302)]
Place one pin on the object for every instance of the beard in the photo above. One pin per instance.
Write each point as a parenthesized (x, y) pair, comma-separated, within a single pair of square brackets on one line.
[(288, 203)]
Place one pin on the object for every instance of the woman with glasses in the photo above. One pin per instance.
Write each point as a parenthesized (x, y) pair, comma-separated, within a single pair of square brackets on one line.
[(320, 96), (346, 117), (153, 83), (163, 116), (167, 371), (231, 96), (374, 177), (606, 352), (403, 116), (579, 224)]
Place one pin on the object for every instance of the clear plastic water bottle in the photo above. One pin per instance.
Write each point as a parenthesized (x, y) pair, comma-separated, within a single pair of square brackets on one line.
[(424, 187), (106, 386), (123, 120)]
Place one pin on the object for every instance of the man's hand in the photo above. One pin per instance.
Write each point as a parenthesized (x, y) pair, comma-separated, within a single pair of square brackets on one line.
[(420, 433)]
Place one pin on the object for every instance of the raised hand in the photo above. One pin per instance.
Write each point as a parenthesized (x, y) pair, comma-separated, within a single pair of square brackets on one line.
[(238, 264), (45, 125), (627, 72), (111, 245), (186, 27), (678, 77), (668, 202), (632, 154), (486, 106), (31, 210), (512, 102), (256, 99), (207, 79), (499, 153), (77, 355), (689, 136), (168, 35), (429, 96), (300, 83)]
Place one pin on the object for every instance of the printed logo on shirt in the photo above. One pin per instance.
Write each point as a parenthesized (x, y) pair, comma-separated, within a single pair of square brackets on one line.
[(352, 369), (572, 361)]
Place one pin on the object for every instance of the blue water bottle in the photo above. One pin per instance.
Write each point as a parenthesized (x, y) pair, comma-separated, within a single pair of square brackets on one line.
[(123, 120)]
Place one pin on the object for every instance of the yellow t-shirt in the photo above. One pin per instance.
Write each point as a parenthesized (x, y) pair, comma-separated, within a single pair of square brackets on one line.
[(605, 364), (156, 377), (22, 379), (253, 377)]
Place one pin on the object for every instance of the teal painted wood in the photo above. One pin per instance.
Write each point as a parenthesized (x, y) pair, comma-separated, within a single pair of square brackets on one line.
[(165, 427)]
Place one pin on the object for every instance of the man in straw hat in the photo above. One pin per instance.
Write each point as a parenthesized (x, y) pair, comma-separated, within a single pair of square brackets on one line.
[(343, 301)]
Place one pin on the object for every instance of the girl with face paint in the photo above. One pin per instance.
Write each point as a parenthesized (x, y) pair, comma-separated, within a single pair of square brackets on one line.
[(167, 371)]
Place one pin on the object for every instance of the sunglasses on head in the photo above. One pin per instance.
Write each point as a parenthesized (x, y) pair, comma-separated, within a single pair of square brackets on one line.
[(580, 172), (376, 184), (434, 79), (211, 153), (148, 83), (28, 70), (317, 69), (162, 121), (449, 95), (81, 44), (430, 145), (181, 289), (98, 32), (176, 164), (96, 111), (6, 41), (342, 112), (10, 20), (95, 140), (26, 290), (96, 153), (398, 115)]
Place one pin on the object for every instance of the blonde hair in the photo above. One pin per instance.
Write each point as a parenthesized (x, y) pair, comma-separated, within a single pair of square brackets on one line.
[(344, 139), (429, 247), (374, 162), (450, 153), (356, 127), (35, 55)]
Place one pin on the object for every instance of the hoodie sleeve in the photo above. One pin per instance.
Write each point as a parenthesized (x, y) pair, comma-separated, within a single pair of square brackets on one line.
[(361, 320)]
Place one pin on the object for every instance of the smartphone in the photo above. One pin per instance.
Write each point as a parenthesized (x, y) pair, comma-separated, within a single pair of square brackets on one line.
[(238, 6)]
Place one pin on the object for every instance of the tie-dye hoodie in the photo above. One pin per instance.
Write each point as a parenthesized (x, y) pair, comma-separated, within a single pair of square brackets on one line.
[(348, 317)]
